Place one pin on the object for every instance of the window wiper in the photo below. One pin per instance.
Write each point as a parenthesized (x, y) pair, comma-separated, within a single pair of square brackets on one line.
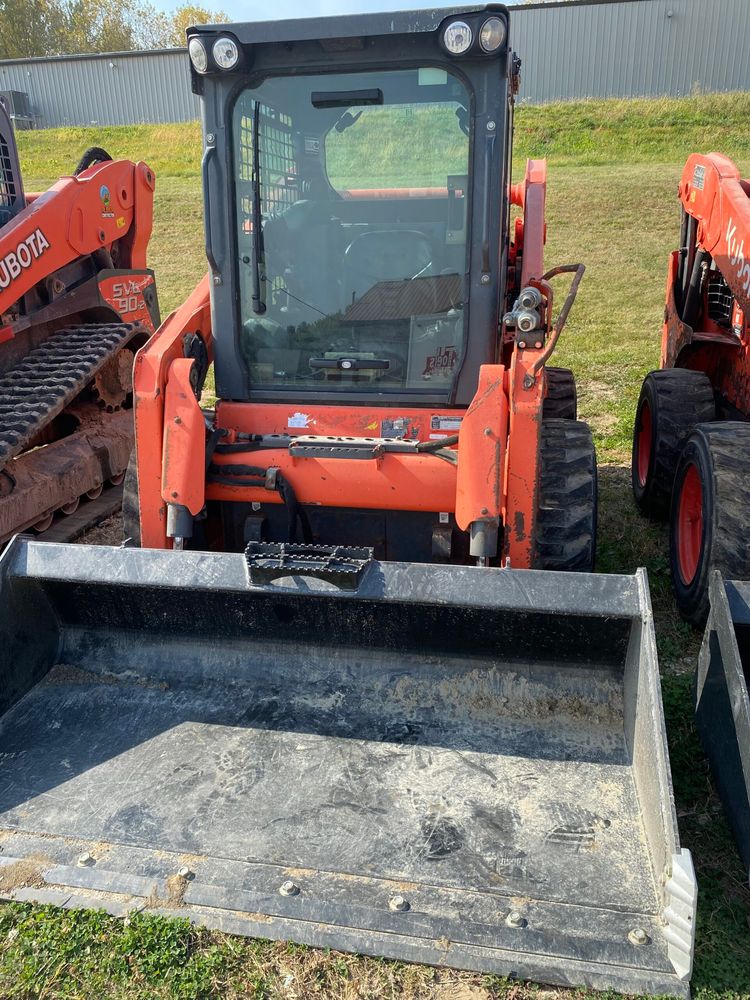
[(347, 120), (259, 263)]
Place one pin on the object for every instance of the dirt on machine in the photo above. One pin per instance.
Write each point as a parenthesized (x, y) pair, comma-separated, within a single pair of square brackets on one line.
[(76, 302), (352, 681), (691, 459)]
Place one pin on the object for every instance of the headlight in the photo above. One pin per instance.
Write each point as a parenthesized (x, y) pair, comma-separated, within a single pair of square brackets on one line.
[(225, 52), (198, 54), (457, 37), (492, 34)]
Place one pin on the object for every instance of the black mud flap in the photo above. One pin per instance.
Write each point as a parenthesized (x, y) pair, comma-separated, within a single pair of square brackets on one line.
[(722, 706), (453, 765)]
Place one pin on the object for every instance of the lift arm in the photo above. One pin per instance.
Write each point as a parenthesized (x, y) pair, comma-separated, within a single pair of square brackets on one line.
[(717, 203), (110, 202)]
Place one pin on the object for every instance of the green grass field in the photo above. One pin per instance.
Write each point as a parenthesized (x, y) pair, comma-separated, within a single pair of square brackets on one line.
[(612, 204)]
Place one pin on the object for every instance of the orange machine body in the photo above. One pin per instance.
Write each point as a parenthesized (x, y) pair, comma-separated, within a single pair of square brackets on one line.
[(111, 202), (493, 475), (716, 201), (72, 263)]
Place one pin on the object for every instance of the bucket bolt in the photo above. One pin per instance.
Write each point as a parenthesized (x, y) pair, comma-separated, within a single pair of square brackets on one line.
[(515, 919), (289, 888), (86, 860), (185, 873), (638, 936), (398, 903)]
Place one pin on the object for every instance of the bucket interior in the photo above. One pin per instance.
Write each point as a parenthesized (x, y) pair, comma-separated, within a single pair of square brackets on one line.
[(485, 752)]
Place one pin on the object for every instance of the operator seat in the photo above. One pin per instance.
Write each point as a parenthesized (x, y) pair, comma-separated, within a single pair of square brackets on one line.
[(384, 255)]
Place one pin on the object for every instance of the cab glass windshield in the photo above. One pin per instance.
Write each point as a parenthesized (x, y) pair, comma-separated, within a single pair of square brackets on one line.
[(355, 186)]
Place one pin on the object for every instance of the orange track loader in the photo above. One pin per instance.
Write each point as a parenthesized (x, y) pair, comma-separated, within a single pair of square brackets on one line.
[(76, 302), (691, 458), (340, 688)]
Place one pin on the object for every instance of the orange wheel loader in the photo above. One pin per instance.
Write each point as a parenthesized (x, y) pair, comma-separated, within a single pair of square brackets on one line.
[(76, 302), (353, 682), (691, 458)]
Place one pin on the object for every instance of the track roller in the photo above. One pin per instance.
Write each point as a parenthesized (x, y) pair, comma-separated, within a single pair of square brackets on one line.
[(43, 523)]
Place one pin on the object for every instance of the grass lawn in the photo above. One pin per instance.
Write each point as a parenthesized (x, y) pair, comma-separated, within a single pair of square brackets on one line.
[(614, 168)]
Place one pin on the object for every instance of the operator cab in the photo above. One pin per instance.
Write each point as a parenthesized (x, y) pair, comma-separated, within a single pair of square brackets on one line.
[(355, 176)]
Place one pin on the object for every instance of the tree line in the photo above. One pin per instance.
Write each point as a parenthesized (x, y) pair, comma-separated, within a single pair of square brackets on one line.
[(63, 27)]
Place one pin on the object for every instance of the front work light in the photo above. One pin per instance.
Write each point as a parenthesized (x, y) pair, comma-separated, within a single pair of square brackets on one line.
[(198, 55), (492, 34), (225, 52), (457, 37)]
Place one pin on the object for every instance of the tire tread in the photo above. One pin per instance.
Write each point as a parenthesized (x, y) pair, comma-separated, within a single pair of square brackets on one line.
[(684, 399), (567, 512)]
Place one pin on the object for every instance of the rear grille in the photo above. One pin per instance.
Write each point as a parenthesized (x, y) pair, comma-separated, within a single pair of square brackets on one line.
[(720, 300), (8, 189)]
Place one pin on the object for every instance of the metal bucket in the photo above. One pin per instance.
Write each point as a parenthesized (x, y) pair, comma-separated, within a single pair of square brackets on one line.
[(722, 706), (458, 766)]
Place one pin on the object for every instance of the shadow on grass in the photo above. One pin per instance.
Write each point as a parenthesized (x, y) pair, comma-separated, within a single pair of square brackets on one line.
[(626, 541)]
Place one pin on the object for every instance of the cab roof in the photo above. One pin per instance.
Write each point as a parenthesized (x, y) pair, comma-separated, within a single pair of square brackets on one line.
[(342, 26)]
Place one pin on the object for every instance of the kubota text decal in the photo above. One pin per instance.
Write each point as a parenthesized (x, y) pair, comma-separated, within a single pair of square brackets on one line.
[(737, 256), (18, 260)]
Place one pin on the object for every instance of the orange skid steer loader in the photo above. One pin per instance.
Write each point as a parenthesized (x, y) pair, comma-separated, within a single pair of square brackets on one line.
[(345, 686), (691, 459)]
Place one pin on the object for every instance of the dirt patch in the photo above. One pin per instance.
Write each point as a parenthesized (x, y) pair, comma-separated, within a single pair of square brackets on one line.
[(175, 895), (109, 532), (590, 389), (460, 991), (63, 673), (603, 423), (24, 874)]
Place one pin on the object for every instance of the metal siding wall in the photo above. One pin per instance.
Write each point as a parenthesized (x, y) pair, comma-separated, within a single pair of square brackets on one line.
[(632, 49), (111, 90), (623, 49)]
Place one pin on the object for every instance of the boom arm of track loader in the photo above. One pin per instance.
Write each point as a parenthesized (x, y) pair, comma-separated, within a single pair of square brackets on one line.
[(110, 202)]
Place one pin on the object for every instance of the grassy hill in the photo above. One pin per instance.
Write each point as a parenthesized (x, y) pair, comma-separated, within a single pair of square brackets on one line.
[(614, 167)]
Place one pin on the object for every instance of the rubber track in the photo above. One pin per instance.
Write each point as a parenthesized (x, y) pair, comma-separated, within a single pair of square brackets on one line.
[(50, 377)]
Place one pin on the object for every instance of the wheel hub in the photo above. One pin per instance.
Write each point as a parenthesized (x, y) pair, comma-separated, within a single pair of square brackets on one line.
[(690, 525), (645, 429)]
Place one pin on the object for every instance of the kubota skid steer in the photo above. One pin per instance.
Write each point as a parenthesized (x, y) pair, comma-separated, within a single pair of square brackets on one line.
[(76, 302), (691, 459), (344, 691)]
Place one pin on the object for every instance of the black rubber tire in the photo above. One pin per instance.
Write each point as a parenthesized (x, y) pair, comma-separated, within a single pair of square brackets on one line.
[(677, 400), (561, 401), (720, 453), (131, 514), (567, 513)]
